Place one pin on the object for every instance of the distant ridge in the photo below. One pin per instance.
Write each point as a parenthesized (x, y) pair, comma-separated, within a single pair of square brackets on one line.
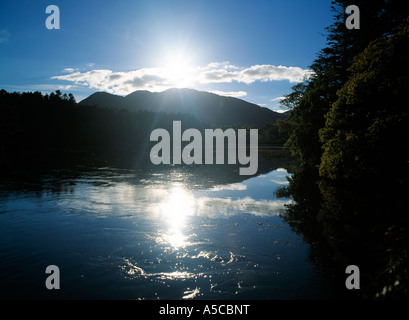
[(209, 108)]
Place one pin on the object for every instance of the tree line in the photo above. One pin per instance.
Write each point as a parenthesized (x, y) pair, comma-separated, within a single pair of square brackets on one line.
[(38, 126), (348, 129), (33, 124)]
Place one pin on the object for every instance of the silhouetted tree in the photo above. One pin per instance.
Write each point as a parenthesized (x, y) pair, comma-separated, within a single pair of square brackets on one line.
[(340, 137)]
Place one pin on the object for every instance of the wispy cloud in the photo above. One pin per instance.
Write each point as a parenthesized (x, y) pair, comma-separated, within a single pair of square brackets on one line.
[(278, 110), (158, 79), (234, 94), (277, 107), (219, 65), (4, 36), (70, 70), (277, 99)]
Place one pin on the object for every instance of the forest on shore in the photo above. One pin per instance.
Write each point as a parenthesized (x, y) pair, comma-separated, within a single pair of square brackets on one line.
[(348, 129), (37, 127)]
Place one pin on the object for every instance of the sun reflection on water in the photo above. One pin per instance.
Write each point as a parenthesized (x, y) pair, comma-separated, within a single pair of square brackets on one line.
[(175, 208), (180, 250)]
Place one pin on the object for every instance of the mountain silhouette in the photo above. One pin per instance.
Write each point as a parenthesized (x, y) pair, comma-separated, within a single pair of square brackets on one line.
[(209, 108)]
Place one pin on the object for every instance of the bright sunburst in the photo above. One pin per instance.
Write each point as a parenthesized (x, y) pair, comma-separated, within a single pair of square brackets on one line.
[(175, 209), (178, 70)]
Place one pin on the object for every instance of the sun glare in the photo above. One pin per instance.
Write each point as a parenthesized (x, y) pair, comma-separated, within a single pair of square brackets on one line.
[(175, 209), (178, 70)]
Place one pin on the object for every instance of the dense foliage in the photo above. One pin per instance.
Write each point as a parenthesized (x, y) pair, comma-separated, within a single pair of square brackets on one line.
[(41, 127), (348, 128), (36, 124)]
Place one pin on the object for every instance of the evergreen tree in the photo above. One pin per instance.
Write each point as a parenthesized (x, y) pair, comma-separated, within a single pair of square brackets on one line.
[(364, 171), (337, 134)]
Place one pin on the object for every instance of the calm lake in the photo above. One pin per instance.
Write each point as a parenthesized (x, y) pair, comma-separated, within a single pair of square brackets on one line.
[(115, 232)]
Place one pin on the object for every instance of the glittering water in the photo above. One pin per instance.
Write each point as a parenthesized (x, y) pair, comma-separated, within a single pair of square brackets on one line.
[(166, 234)]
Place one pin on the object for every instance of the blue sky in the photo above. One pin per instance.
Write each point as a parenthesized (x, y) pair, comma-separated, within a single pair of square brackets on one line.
[(254, 50)]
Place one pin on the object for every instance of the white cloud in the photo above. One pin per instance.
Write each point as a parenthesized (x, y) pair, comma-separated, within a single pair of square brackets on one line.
[(159, 79), (223, 65), (280, 182), (218, 76), (229, 73), (278, 99), (273, 73), (234, 94), (119, 82), (279, 110), (277, 107), (70, 70)]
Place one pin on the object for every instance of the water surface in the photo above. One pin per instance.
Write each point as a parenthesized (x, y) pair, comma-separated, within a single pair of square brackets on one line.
[(177, 233)]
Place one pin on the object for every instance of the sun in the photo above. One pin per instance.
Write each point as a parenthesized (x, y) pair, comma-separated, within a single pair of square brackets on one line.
[(178, 70)]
